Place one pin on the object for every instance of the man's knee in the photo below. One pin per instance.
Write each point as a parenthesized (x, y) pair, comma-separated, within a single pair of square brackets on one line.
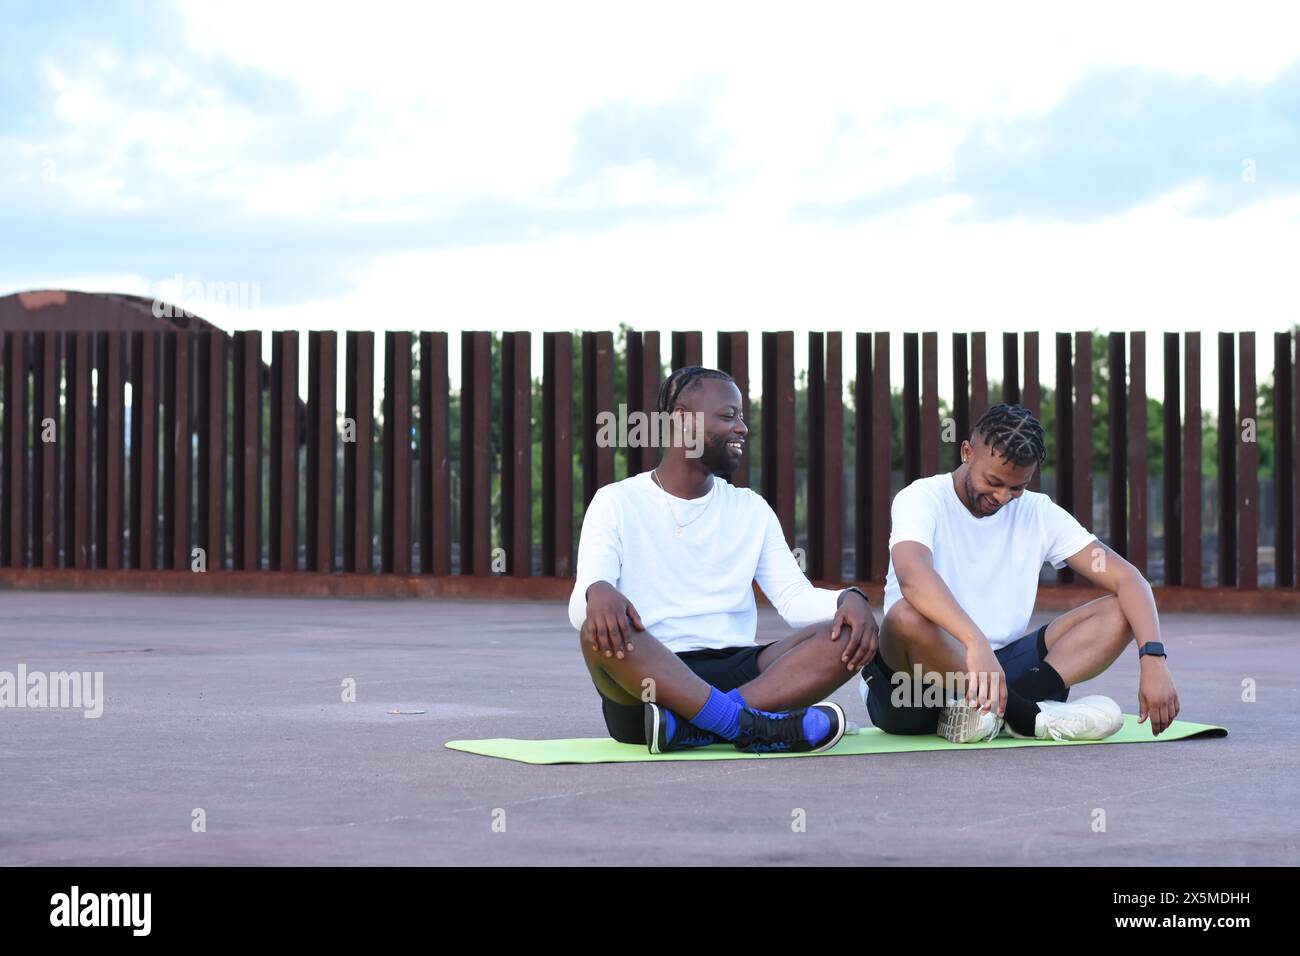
[(905, 623), (832, 652)]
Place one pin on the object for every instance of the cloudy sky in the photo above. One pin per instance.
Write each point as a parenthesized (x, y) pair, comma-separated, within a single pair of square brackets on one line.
[(702, 165)]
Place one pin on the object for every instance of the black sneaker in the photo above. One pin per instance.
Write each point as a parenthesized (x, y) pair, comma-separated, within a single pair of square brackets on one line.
[(685, 734), (763, 733)]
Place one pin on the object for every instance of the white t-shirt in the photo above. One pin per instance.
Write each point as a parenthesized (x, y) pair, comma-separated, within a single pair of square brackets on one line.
[(695, 591), (991, 564)]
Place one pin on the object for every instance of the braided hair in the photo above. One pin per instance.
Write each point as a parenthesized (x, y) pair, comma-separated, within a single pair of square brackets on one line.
[(1014, 433), (683, 380)]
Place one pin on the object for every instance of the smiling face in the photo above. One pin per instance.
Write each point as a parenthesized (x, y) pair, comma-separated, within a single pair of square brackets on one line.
[(716, 403), (986, 481)]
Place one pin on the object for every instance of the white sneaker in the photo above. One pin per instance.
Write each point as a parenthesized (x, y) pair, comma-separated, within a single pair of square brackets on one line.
[(1088, 718), (961, 722)]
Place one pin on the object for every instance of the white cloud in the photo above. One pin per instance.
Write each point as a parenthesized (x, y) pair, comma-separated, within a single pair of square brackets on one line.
[(465, 100), (440, 106), (1150, 269)]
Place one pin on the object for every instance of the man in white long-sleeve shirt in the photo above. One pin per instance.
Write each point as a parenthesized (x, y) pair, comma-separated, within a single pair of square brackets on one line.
[(664, 598)]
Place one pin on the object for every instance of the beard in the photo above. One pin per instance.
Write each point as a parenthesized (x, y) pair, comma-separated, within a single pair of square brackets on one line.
[(974, 498), (717, 459)]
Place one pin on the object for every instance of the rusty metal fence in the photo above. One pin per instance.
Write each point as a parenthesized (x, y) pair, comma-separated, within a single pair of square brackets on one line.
[(129, 450)]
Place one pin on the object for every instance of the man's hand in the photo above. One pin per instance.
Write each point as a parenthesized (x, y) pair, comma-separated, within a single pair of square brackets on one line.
[(855, 614), (610, 619), (1157, 695), (986, 683)]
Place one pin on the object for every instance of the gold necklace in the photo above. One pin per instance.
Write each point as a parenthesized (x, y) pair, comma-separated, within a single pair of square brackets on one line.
[(680, 527)]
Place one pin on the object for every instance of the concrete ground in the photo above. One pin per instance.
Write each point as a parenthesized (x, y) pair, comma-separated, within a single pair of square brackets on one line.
[(232, 706)]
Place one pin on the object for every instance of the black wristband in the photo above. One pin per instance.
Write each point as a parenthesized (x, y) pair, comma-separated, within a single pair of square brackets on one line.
[(847, 590), (1152, 649)]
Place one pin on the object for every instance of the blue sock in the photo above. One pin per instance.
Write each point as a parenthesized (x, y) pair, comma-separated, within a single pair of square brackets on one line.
[(734, 694), (815, 724), (720, 715)]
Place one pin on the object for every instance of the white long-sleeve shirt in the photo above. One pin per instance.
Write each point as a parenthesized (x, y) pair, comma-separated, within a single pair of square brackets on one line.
[(694, 591)]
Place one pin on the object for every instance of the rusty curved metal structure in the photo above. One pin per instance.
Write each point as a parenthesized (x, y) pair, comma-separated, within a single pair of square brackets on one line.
[(57, 310), (53, 310)]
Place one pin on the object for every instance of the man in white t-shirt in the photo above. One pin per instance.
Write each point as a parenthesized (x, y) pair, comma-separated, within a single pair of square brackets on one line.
[(664, 598), (965, 552)]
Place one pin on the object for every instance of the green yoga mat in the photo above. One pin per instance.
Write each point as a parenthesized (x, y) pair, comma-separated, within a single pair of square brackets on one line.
[(870, 741)]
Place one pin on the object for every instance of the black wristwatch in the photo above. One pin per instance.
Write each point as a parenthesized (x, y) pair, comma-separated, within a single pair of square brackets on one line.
[(1154, 648), (847, 590)]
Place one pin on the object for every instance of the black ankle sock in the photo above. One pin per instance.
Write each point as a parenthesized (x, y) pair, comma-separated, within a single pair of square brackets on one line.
[(1021, 713), (1040, 682)]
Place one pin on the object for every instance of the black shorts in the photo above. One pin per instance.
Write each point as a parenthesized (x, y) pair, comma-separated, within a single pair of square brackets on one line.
[(726, 669), (1016, 659)]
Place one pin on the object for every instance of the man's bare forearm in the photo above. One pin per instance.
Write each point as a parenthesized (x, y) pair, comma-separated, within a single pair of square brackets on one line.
[(928, 593), (1139, 607)]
